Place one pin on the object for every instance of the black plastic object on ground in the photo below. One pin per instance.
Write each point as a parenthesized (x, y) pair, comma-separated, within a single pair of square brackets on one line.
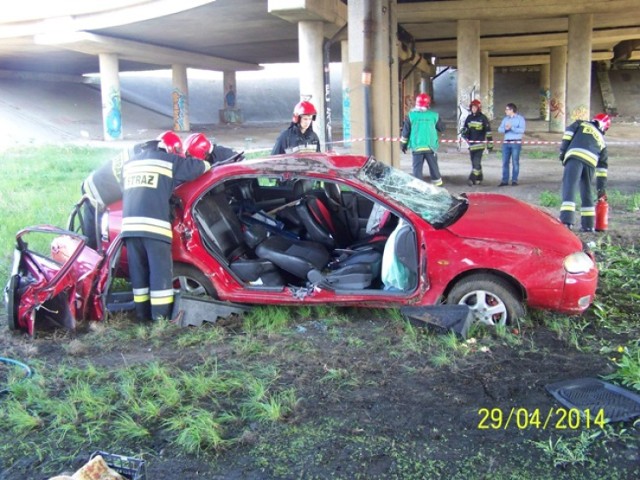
[(592, 394), (193, 311), (457, 318)]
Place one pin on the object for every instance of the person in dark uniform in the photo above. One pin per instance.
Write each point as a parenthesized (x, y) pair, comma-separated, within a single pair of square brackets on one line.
[(299, 137), (103, 187), (420, 134), (149, 178), (477, 131), (197, 145), (583, 152)]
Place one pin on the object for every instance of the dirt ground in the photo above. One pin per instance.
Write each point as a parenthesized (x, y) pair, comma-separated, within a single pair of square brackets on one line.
[(401, 413)]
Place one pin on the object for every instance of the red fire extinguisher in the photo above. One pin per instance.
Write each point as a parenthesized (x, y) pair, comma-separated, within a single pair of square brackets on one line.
[(602, 214)]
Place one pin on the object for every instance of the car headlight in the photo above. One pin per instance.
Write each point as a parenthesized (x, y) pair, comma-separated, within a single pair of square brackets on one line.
[(578, 262)]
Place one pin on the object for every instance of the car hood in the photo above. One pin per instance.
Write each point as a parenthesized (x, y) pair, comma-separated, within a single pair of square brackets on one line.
[(500, 218)]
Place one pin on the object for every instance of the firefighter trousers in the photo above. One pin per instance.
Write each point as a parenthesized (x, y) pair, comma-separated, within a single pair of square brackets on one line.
[(151, 273), (476, 165), (418, 159), (577, 176)]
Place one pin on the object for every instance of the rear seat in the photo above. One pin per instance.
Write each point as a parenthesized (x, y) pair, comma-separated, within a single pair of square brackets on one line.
[(222, 232)]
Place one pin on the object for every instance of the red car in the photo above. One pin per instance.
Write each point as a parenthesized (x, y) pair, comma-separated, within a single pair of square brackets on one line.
[(349, 230)]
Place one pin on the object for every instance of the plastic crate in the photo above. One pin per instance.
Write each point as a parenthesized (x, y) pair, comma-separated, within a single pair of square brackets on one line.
[(129, 467)]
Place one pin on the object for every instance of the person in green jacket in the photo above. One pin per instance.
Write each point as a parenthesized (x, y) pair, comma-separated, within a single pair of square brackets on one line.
[(420, 134)]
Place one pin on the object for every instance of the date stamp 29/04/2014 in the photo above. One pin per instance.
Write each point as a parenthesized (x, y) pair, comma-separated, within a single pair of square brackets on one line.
[(554, 418)]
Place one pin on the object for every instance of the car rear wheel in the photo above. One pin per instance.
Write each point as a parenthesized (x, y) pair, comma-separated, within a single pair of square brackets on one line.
[(191, 281), (492, 300)]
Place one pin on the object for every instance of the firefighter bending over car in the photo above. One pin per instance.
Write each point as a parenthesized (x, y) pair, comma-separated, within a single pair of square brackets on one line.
[(103, 187), (149, 178), (198, 146), (299, 137), (583, 153)]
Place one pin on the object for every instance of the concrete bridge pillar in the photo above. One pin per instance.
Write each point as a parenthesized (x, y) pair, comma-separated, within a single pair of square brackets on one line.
[(468, 61), (579, 67), (545, 91), (346, 94), (558, 83), (490, 111), (230, 112), (111, 97), (484, 81), (373, 59), (310, 56), (180, 97)]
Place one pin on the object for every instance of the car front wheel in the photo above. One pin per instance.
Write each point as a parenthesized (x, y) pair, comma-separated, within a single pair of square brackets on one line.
[(492, 300), (191, 281)]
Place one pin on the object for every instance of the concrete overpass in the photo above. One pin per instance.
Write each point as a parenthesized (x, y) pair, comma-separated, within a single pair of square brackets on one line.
[(382, 44)]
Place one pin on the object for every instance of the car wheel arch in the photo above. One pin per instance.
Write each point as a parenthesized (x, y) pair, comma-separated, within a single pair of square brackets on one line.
[(192, 281), (494, 298)]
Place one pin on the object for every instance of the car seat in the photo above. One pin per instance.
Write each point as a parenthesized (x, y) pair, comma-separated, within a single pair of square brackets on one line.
[(222, 232)]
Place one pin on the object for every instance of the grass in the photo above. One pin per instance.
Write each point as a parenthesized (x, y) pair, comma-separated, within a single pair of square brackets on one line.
[(616, 199)]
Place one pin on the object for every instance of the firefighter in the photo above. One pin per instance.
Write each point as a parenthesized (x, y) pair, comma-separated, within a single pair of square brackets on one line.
[(583, 153), (149, 178), (299, 137), (477, 132), (197, 145), (103, 187), (420, 134)]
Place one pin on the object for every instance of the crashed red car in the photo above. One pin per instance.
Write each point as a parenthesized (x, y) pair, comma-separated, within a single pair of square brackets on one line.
[(311, 229)]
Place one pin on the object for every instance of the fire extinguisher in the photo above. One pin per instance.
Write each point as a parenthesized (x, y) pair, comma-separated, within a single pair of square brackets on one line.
[(602, 214)]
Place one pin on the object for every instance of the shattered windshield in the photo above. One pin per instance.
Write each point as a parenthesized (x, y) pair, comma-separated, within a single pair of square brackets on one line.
[(435, 204)]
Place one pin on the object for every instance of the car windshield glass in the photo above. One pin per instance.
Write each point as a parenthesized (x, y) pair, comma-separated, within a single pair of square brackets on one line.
[(435, 204)]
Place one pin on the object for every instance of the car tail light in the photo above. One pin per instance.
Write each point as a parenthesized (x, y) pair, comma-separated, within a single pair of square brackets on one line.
[(578, 262)]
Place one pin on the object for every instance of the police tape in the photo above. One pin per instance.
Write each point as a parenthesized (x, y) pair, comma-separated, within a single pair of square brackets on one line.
[(494, 142), (452, 141)]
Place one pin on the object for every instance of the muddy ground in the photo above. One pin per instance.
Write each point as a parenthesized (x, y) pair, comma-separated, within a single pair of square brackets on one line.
[(399, 415)]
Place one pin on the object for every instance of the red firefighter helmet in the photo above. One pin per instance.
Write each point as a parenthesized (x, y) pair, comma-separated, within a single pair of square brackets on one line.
[(198, 146), (475, 103), (303, 108), (603, 120), (170, 142), (423, 100)]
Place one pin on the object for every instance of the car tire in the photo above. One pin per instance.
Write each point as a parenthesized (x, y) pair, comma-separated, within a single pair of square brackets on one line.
[(492, 300), (191, 281)]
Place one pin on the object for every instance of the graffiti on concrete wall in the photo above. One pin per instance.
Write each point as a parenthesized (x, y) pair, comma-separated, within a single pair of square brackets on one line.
[(346, 115), (545, 97), (179, 110), (113, 115), (581, 112)]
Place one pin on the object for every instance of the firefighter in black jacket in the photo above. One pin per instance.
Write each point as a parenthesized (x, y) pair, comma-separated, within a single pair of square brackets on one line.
[(583, 152), (299, 137), (149, 178), (477, 131), (103, 187)]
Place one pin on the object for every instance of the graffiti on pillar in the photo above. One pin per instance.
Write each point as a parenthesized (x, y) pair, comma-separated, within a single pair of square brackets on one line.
[(113, 117), (346, 116), (579, 113), (545, 97), (179, 110), (556, 108)]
